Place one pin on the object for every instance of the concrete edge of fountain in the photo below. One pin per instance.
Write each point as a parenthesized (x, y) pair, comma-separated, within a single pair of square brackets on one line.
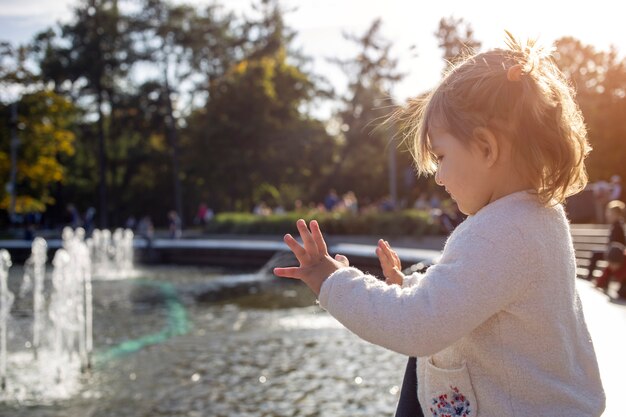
[(253, 253)]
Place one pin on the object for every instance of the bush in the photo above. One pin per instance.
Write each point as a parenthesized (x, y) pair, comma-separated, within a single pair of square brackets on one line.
[(401, 223)]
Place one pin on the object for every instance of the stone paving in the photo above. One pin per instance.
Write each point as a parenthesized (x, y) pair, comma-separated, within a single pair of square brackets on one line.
[(606, 318)]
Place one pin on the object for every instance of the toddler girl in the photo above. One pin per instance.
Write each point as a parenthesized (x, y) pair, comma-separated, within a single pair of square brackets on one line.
[(496, 324)]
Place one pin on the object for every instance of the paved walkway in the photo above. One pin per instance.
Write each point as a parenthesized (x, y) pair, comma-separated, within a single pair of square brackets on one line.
[(606, 318)]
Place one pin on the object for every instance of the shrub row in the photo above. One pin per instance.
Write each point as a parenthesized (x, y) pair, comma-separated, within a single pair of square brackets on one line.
[(401, 223)]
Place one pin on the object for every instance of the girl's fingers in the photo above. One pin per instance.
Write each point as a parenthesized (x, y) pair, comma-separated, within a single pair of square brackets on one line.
[(383, 258), (386, 251), (397, 259), (309, 244), (392, 254), (290, 272), (342, 259), (380, 255), (295, 247), (318, 237)]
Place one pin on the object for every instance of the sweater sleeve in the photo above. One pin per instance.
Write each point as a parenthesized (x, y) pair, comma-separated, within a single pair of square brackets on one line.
[(450, 300), (410, 280)]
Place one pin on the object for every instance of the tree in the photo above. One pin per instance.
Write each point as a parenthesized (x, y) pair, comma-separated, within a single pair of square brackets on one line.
[(359, 166), (591, 72), (46, 121), (599, 78), (456, 38), (170, 39), (140, 160), (231, 95), (14, 71), (252, 134), (90, 54)]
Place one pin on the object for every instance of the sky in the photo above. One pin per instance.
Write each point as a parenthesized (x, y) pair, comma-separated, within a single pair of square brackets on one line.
[(320, 24)]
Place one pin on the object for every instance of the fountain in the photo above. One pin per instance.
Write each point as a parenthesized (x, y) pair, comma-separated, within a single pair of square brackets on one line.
[(176, 340), (34, 275), (111, 254), (62, 325), (6, 301)]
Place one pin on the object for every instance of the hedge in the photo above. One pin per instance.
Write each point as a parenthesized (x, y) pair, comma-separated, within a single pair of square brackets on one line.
[(401, 223)]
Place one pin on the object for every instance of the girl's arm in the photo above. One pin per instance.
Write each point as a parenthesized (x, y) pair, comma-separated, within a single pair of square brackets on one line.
[(450, 300), (474, 279), (411, 280)]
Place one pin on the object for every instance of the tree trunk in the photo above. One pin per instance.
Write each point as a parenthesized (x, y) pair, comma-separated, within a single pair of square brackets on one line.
[(172, 134)]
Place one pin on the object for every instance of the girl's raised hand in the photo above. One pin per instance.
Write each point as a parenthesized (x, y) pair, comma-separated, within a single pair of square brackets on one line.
[(390, 263), (315, 262)]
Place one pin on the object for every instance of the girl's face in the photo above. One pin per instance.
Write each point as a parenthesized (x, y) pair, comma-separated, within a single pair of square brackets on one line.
[(462, 170)]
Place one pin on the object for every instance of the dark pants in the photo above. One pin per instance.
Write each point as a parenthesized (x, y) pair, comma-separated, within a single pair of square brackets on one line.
[(595, 257), (409, 405)]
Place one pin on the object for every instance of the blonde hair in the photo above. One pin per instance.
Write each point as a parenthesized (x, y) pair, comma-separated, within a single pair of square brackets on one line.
[(617, 207), (518, 93)]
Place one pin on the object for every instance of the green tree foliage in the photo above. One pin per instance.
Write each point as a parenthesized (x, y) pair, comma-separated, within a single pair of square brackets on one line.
[(46, 121), (87, 59), (14, 70), (456, 39), (252, 134), (173, 38), (44, 128), (147, 97), (599, 78), (362, 165), (139, 168)]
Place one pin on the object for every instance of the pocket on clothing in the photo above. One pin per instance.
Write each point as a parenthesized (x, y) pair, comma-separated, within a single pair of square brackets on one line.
[(449, 392)]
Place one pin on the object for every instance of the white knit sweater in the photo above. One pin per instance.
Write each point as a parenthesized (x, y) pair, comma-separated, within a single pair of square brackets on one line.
[(497, 324)]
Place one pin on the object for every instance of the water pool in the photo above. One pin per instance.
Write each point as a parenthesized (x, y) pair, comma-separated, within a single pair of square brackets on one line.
[(185, 341)]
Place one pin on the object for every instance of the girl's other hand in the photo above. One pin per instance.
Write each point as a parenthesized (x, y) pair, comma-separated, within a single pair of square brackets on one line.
[(390, 263), (315, 262)]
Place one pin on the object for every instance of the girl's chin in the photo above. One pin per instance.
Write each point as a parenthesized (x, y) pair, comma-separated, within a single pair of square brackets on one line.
[(464, 210)]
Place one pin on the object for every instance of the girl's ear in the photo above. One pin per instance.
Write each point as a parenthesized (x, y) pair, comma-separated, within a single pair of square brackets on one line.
[(487, 144)]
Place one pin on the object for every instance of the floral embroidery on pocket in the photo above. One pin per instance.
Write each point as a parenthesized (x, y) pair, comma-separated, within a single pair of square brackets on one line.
[(451, 404)]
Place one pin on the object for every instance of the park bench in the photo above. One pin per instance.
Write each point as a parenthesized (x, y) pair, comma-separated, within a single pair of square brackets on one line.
[(587, 239)]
